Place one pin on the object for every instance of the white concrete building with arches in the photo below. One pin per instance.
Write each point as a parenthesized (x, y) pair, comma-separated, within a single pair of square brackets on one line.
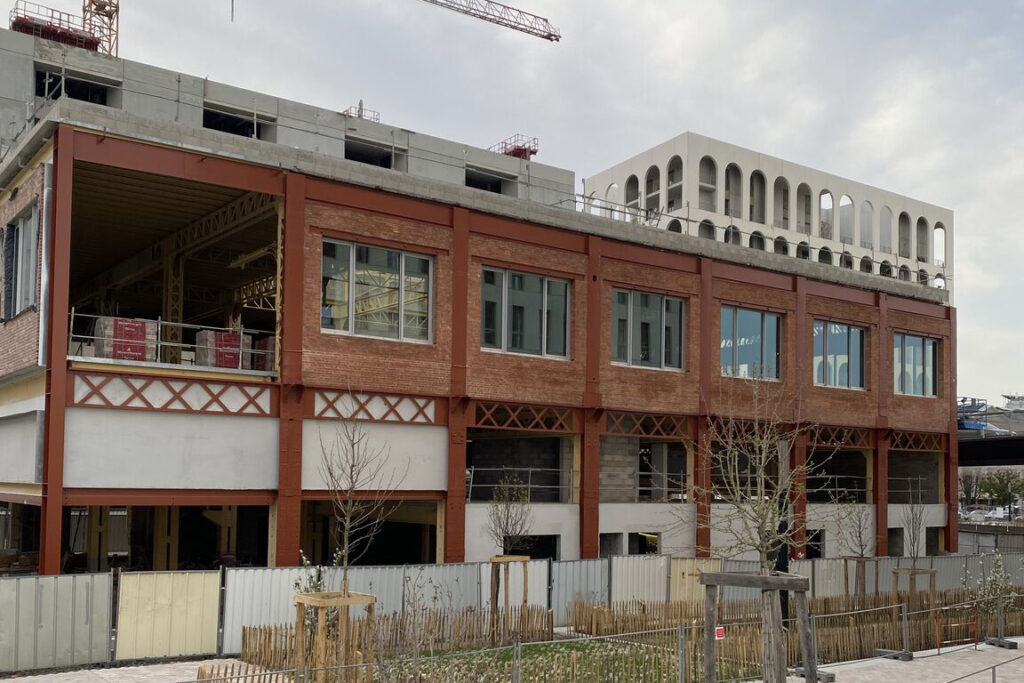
[(703, 187)]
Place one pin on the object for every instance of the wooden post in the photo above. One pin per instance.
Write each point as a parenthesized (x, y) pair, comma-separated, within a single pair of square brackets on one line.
[(300, 643), (808, 647), (710, 612)]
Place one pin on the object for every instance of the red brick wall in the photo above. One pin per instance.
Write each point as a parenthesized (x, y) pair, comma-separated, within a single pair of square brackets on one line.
[(19, 337)]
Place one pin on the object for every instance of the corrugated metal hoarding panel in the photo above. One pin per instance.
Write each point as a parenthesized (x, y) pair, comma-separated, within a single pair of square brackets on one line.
[(577, 580), (685, 577), (949, 572), (52, 621), (167, 614), (640, 577), (257, 597), (447, 586), (536, 582), (386, 583), (1014, 564), (730, 593)]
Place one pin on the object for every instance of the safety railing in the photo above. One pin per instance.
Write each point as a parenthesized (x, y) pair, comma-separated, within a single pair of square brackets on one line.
[(533, 484), (644, 487), (141, 341)]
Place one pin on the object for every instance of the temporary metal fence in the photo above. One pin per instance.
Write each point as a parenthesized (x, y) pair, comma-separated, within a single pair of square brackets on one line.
[(577, 580)]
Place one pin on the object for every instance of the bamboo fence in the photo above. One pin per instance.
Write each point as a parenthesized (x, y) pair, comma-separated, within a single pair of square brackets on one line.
[(240, 673)]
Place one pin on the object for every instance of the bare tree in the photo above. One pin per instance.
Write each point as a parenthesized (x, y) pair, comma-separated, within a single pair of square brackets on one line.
[(509, 515), (912, 519), (361, 479), (855, 528), (970, 485)]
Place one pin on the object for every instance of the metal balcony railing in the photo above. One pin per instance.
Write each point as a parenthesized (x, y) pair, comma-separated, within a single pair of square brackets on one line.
[(541, 485), (646, 487)]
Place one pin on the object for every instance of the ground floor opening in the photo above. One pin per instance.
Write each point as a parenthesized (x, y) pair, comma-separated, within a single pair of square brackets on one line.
[(403, 532)]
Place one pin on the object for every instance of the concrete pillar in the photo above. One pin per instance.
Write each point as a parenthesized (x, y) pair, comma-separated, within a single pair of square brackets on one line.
[(769, 208)]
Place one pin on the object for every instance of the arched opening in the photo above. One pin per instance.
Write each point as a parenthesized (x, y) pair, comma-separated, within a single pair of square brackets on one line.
[(940, 282), (758, 187), (922, 277), (674, 178), (904, 235), (612, 199), (632, 198), (923, 250), (593, 204), (675, 226), (885, 230), (781, 203), (781, 246), (826, 219), (939, 245), (733, 191), (732, 235), (904, 274), (803, 251), (825, 255), (885, 268), (866, 266), (846, 219), (803, 208), (652, 189), (846, 260), (867, 225), (708, 185), (706, 229), (756, 241)]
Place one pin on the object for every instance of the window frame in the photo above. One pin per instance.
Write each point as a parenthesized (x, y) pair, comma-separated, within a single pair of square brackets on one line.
[(23, 292), (350, 317), (764, 313), (683, 328), (863, 344), (506, 329), (899, 387)]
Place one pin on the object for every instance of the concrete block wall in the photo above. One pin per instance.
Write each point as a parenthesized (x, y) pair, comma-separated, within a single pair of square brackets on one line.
[(618, 468)]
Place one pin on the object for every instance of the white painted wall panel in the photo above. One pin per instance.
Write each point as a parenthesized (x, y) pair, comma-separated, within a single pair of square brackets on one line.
[(147, 449), (19, 454), (676, 522), (418, 451), (547, 519)]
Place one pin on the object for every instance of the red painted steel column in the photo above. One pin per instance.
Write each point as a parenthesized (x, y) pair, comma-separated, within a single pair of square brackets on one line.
[(702, 452), (289, 467), (590, 455), (56, 354), (880, 469), (952, 454), (459, 404)]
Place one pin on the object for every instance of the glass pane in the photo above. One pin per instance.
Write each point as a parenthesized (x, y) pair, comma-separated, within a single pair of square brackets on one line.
[(820, 372), (749, 362), (416, 296), (856, 358), (929, 367), (673, 343), (646, 329), (620, 326), (375, 304), (913, 364), (525, 312), (772, 324), (490, 314), (727, 341), (839, 355), (334, 286), (897, 363), (558, 303)]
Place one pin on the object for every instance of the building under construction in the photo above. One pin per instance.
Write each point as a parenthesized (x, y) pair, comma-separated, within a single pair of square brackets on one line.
[(201, 283)]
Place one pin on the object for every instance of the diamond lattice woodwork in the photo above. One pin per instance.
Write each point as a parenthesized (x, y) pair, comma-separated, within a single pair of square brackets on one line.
[(131, 392), (647, 424), (918, 441), (840, 437), (345, 405), (523, 417)]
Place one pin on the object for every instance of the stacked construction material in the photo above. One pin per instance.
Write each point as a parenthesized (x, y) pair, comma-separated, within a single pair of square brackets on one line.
[(125, 339), (216, 349), (263, 355)]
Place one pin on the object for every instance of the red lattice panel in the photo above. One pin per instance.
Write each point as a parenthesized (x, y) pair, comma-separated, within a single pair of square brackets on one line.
[(130, 392), (336, 405), (918, 441), (647, 424), (523, 417), (841, 437)]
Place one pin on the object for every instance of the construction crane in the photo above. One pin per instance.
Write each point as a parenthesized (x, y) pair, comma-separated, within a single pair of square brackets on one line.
[(503, 15)]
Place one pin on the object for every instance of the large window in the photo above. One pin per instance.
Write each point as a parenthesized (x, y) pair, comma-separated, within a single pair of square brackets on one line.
[(375, 292), (914, 363), (838, 355), (524, 313), (20, 253), (647, 329), (750, 343)]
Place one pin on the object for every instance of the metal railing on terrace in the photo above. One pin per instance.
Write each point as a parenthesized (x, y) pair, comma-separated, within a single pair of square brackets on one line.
[(533, 484), (646, 487), (145, 342)]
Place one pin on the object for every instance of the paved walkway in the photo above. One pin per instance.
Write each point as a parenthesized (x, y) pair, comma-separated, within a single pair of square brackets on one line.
[(151, 673), (927, 668)]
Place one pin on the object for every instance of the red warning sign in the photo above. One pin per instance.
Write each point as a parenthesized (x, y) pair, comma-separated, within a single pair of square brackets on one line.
[(719, 633)]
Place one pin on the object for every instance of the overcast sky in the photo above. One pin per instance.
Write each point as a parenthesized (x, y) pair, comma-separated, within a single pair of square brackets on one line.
[(922, 98)]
